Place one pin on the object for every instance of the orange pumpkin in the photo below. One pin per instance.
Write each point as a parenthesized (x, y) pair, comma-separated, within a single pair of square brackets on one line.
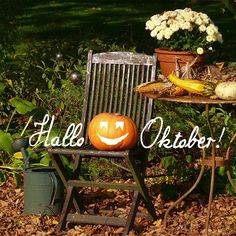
[(108, 131)]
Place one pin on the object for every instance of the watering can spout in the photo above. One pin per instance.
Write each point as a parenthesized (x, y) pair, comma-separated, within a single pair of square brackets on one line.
[(20, 145)]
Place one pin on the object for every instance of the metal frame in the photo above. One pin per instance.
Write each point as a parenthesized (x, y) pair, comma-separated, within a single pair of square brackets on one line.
[(211, 161)]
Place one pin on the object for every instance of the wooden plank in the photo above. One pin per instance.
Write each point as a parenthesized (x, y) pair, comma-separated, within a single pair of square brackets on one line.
[(89, 152), (84, 183), (91, 219), (121, 57)]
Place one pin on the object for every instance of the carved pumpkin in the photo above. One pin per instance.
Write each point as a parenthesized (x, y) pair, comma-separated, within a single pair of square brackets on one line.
[(108, 131)]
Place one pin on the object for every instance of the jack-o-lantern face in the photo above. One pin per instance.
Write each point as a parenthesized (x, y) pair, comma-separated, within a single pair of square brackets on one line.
[(109, 131)]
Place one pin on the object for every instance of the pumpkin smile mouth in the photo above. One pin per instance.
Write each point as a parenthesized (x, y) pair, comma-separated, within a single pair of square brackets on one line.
[(112, 141)]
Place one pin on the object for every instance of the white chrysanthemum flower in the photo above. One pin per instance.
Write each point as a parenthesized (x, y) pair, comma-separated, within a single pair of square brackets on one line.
[(210, 48), (154, 32), (187, 16), (155, 17), (211, 29), (160, 35), (198, 21), (163, 25), (156, 22), (167, 33), (202, 28), (174, 27), (164, 17), (205, 18), (209, 38), (219, 37), (186, 26), (173, 14), (180, 22), (150, 25), (200, 51), (170, 21)]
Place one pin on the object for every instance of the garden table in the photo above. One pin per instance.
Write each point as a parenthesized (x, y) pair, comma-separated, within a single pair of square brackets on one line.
[(213, 160)]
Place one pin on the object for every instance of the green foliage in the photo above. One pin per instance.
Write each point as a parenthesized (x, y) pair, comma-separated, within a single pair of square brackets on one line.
[(8, 162), (179, 163), (6, 142), (97, 168)]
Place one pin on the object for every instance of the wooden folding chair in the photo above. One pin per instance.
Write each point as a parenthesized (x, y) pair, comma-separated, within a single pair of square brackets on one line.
[(110, 80)]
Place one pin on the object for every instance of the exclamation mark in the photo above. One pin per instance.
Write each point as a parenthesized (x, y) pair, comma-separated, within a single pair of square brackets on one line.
[(222, 133)]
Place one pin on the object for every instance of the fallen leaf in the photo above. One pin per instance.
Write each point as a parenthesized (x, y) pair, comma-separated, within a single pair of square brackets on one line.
[(3, 203), (158, 223)]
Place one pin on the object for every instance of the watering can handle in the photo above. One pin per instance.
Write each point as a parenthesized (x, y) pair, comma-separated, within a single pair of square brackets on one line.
[(25, 157), (54, 187)]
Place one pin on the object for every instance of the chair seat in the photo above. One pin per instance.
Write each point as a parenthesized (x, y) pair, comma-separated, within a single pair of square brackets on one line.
[(90, 151)]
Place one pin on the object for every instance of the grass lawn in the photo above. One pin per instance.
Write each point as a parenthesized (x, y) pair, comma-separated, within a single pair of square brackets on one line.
[(118, 21)]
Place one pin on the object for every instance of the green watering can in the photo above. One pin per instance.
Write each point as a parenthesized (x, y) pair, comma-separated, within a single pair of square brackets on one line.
[(43, 189)]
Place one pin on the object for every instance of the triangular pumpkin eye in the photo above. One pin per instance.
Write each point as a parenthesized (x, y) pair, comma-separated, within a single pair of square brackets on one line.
[(120, 124), (104, 124)]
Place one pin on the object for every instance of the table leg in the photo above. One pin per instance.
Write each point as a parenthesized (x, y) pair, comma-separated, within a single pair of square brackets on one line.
[(185, 195), (210, 195)]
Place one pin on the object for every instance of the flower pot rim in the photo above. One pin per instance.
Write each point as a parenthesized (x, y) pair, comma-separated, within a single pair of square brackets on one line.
[(167, 51)]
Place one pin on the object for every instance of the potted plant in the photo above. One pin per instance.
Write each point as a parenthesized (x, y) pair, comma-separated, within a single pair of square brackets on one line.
[(182, 35)]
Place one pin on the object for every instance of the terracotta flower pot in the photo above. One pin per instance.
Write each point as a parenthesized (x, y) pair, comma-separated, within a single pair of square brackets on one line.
[(168, 59)]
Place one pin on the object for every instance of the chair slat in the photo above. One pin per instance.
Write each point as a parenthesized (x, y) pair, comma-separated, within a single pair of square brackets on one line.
[(144, 108), (126, 94), (111, 97), (121, 89), (107, 78), (131, 92), (97, 73), (139, 108), (116, 97), (135, 100)]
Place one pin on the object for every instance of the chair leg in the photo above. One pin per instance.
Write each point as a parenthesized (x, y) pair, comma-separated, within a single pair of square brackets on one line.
[(75, 174), (141, 187), (65, 209), (57, 163), (132, 213)]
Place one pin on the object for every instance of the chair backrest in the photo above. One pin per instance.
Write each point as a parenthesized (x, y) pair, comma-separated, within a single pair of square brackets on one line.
[(110, 81)]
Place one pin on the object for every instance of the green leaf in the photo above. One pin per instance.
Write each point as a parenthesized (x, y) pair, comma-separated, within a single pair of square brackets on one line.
[(168, 161), (17, 179), (230, 189), (38, 113), (221, 171), (18, 164), (22, 106), (6, 142), (45, 161), (189, 158), (2, 87), (2, 178), (65, 161)]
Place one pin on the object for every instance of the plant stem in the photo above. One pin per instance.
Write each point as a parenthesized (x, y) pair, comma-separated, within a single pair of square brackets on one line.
[(10, 168), (27, 124), (9, 122)]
